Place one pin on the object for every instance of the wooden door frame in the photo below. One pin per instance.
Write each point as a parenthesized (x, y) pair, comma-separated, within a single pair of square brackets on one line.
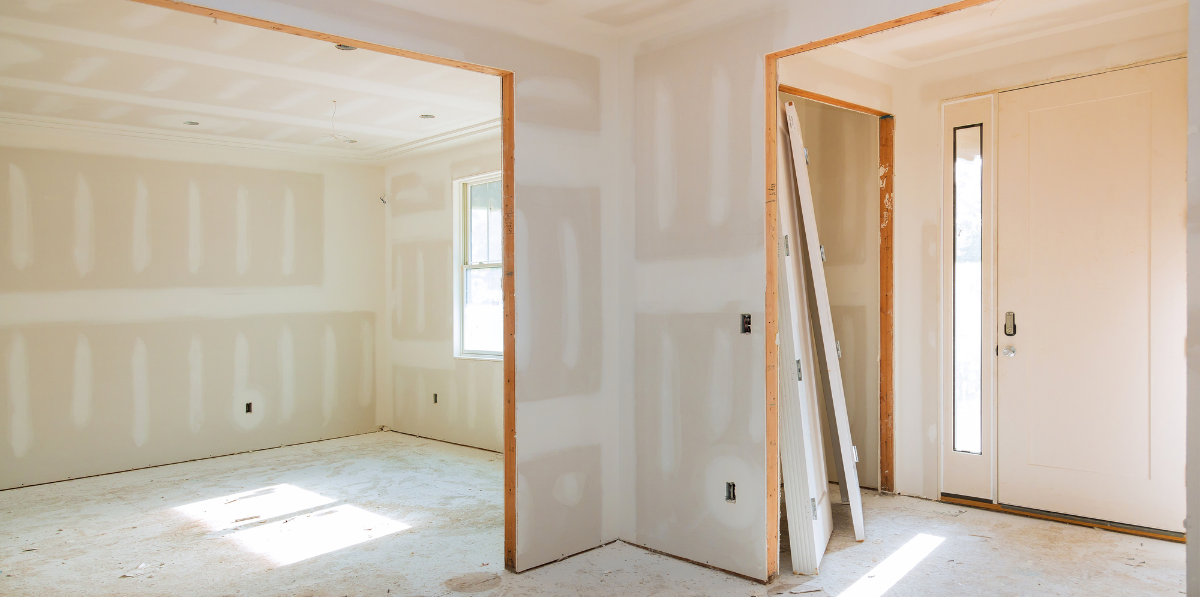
[(508, 95), (886, 211)]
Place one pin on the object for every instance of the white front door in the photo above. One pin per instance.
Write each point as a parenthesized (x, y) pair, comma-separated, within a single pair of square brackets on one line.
[(1091, 265)]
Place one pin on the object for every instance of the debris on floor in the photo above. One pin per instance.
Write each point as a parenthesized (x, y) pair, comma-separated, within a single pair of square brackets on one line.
[(780, 589), (808, 591), (142, 568), (474, 582)]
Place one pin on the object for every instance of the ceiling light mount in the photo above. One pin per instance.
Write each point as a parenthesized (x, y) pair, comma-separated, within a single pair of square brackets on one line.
[(333, 134), (428, 116), (345, 48), (191, 122)]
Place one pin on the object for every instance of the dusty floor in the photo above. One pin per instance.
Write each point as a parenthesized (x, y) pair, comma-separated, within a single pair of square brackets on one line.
[(389, 514)]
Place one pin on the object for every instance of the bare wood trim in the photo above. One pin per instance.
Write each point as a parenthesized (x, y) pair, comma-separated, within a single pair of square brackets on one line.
[(833, 101), (366, 45), (1064, 519), (507, 128), (884, 26), (887, 447), (772, 328)]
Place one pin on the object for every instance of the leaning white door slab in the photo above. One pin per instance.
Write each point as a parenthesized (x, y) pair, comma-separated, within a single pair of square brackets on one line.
[(1091, 263)]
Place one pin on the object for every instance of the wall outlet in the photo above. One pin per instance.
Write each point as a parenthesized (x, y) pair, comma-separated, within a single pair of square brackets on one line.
[(730, 492), (249, 407)]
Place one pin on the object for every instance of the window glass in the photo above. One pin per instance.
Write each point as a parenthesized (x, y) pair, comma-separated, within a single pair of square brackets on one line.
[(484, 223), (968, 288), (483, 315)]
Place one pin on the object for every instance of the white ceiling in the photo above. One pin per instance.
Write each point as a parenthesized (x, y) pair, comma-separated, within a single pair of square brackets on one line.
[(1007, 22), (119, 66), (616, 14)]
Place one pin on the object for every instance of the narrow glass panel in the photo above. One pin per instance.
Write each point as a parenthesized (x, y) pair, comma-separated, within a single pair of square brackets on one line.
[(968, 288), (484, 223), (483, 315)]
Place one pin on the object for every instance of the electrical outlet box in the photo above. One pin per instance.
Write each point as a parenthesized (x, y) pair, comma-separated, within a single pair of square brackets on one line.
[(249, 407), (745, 323), (730, 492), (435, 398)]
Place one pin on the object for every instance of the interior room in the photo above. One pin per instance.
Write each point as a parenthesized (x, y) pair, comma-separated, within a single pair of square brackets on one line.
[(596, 297)]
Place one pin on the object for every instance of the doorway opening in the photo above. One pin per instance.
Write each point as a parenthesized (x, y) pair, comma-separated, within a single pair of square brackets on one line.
[(948, 401), (269, 199)]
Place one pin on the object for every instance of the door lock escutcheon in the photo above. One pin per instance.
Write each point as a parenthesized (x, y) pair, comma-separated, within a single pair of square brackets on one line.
[(1010, 324)]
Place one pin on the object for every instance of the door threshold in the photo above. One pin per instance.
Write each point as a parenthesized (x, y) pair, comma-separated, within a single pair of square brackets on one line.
[(1116, 527)]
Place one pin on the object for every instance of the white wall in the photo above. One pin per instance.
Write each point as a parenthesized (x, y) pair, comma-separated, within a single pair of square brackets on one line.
[(151, 289), (420, 302), (914, 96)]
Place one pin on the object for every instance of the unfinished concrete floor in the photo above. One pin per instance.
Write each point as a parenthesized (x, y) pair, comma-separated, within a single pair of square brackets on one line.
[(390, 514)]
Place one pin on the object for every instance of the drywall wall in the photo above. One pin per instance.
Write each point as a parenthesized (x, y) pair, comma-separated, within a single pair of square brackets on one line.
[(700, 264), (843, 158), (914, 96), (420, 301), (150, 291)]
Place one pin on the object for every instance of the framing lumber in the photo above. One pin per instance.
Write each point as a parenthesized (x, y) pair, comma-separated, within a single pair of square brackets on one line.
[(1086, 522), (508, 288), (309, 33), (833, 101), (772, 328), (884, 26), (887, 321)]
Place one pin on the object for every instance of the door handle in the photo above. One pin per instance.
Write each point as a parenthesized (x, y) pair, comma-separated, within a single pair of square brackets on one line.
[(1009, 351)]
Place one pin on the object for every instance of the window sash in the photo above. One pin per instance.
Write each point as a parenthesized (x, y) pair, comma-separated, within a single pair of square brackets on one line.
[(465, 265)]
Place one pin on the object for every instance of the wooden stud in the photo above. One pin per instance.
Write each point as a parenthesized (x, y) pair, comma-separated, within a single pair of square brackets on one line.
[(1176, 538), (833, 101), (508, 155), (335, 39), (771, 329), (507, 128), (887, 447), (884, 26)]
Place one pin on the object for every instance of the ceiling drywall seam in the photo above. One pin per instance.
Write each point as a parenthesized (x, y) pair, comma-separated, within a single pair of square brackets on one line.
[(518, 18), (105, 130)]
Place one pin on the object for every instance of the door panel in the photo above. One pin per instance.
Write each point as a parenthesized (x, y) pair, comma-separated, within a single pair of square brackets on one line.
[(1091, 241)]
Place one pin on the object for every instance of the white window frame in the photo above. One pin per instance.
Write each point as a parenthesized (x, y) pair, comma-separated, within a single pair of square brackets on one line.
[(460, 265)]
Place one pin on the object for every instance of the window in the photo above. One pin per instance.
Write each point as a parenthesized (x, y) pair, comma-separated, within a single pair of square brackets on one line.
[(968, 288), (478, 246)]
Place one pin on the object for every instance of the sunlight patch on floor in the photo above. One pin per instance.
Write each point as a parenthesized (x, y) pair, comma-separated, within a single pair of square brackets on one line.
[(288, 541), (238, 509), (277, 527), (884, 576)]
